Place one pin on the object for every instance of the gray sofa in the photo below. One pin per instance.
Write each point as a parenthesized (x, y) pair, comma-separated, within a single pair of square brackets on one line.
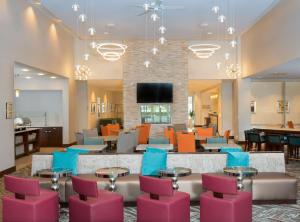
[(272, 184)]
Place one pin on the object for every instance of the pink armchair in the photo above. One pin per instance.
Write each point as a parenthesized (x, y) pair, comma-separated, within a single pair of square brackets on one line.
[(161, 203), (223, 202), (94, 205), (29, 203)]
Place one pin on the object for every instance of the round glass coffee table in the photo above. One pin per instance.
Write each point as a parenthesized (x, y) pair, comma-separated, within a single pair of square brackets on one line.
[(112, 173), (240, 173), (174, 173), (54, 174)]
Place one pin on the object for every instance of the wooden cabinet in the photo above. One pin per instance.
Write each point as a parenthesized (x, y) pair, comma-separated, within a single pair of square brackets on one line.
[(51, 137)]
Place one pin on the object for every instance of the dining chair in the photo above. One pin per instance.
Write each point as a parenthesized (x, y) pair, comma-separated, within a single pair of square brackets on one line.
[(160, 203), (255, 138), (170, 134), (90, 132), (186, 142), (293, 147), (92, 204), (223, 201), (290, 125), (79, 138), (29, 202), (144, 131), (126, 142), (274, 142), (113, 129), (227, 135), (206, 132)]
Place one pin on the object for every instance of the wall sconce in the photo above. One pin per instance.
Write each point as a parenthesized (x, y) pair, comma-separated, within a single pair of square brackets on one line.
[(17, 93)]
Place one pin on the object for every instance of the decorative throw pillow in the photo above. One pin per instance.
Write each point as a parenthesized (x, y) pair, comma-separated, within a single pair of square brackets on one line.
[(65, 161), (154, 160), (237, 159)]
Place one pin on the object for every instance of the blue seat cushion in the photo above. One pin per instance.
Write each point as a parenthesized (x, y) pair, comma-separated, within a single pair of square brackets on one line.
[(77, 150), (217, 140), (160, 140), (153, 161), (237, 159), (92, 141), (65, 161), (230, 149)]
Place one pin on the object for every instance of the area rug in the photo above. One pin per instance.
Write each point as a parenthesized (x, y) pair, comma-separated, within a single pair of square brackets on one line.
[(261, 213)]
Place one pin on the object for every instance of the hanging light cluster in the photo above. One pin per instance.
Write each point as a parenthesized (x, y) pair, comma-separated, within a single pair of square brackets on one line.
[(82, 72), (111, 51), (227, 24), (156, 11)]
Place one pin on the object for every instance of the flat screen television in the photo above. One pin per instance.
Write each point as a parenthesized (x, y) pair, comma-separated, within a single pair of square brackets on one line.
[(154, 93)]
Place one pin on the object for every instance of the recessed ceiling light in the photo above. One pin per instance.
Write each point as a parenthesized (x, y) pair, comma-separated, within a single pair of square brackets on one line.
[(53, 77), (106, 33), (209, 33), (25, 70), (28, 77), (41, 74), (204, 24)]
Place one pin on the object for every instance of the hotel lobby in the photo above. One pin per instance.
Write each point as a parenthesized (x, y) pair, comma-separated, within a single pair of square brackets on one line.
[(150, 111)]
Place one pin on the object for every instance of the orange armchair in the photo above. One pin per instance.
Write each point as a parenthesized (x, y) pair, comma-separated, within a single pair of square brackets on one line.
[(113, 129), (104, 131), (170, 134), (186, 142), (208, 132), (144, 132)]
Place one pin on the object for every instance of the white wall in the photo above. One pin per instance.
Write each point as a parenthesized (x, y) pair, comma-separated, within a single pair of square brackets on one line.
[(293, 97), (266, 95), (29, 37), (60, 84)]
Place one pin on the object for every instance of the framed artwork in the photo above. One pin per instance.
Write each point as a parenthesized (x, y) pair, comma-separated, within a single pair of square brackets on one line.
[(93, 107), (281, 107), (253, 107), (9, 110)]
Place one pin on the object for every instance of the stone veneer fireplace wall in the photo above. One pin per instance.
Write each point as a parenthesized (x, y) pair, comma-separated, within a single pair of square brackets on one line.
[(170, 65)]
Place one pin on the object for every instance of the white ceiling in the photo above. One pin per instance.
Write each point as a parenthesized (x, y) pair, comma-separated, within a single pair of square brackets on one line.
[(181, 24)]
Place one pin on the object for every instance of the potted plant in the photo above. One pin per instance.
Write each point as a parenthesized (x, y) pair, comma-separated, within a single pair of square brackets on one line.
[(191, 119)]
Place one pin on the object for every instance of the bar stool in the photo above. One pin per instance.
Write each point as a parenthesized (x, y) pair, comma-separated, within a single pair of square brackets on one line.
[(29, 203), (94, 205), (161, 203), (223, 202), (274, 142), (293, 146), (256, 138)]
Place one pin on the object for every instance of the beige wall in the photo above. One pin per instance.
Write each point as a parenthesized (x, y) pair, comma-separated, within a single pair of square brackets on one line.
[(170, 66), (293, 97), (29, 37), (273, 40)]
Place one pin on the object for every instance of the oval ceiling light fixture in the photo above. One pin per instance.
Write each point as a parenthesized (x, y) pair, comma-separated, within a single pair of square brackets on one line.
[(75, 7), (215, 9), (111, 51), (205, 50)]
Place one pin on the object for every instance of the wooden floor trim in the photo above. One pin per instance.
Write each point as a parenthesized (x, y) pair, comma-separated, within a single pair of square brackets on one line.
[(8, 171)]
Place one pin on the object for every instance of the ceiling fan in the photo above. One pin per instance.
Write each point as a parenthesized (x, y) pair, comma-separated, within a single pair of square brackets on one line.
[(157, 5)]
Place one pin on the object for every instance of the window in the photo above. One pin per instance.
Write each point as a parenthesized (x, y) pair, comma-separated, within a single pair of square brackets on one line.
[(156, 113)]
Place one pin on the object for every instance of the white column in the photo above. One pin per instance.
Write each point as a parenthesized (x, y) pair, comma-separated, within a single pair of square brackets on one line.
[(82, 105), (226, 107)]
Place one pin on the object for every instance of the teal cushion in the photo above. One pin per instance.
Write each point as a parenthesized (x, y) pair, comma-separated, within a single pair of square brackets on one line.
[(237, 159), (160, 140), (155, 150), (65, 161), (230, 149), (154, 160), (217, 140), (77, 150), (92, 141)]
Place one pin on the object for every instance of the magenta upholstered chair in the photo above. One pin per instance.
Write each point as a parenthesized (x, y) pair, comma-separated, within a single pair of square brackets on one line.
[(29, 203), (161, 203), (94, 205), (223, 202)]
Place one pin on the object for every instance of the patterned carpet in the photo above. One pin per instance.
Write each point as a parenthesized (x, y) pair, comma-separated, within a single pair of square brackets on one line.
[(261, 213)]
